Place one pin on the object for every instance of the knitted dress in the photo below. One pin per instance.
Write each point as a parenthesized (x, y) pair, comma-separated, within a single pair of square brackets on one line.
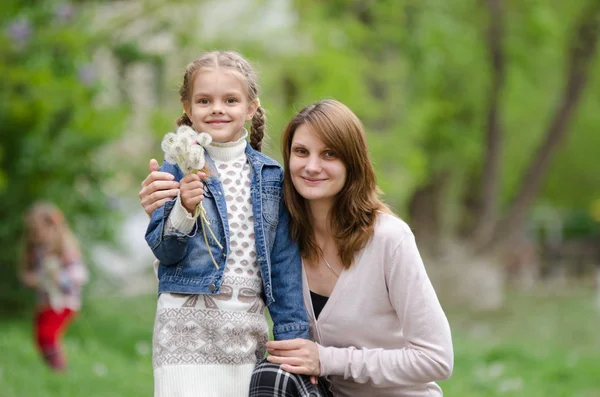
[(207, 345)]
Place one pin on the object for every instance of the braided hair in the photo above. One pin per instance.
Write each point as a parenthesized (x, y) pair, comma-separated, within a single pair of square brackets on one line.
[(236, 63)]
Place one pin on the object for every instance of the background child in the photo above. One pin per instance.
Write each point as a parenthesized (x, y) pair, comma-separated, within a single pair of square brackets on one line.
[(52, 264), (210, 328)]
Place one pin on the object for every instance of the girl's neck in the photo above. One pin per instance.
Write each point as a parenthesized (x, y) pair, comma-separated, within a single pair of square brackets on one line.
[(226, 151)]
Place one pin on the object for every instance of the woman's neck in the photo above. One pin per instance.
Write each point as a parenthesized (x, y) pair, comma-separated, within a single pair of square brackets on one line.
[(320, 221)]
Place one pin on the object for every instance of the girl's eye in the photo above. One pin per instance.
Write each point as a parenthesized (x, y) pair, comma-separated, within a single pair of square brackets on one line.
[(203, 101), (330, 154), (300, 151), (232, 100)]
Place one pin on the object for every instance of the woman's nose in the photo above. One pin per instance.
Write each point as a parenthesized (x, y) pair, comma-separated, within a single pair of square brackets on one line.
[(313, 164)]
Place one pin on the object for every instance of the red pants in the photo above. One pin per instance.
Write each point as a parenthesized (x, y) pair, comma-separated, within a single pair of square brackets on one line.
[(49, 328)]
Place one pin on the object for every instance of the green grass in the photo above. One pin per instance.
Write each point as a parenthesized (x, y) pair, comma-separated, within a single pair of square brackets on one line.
[(536, 346)]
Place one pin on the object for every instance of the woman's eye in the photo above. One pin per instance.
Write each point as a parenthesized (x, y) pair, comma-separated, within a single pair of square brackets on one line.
[(330, 154), (300, 151)]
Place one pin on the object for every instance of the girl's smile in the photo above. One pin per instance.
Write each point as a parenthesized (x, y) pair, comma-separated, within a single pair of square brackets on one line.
[(219, 105)]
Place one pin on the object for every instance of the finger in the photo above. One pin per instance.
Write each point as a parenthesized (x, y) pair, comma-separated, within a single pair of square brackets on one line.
[(201, 174), (157, 176), (191, 190), (157, 204), (159, 195), (293, 361), (287, 353), (296, 369), (290, 344), (153, 166), (314, 379), (190, 178), (162, 185)]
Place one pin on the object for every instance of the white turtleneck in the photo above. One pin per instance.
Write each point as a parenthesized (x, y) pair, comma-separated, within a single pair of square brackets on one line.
[(221, 152)]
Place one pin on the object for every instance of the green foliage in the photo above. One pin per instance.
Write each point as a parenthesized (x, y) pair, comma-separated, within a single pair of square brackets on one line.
[(52, 127)]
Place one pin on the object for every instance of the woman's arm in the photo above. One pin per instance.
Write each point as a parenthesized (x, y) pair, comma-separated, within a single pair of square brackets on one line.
[(429, 354)]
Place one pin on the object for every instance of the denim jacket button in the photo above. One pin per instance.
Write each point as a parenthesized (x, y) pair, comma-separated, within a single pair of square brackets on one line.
[(211, 287)]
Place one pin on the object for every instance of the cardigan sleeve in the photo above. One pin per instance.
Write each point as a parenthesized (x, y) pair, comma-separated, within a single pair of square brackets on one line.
[(428, 355)]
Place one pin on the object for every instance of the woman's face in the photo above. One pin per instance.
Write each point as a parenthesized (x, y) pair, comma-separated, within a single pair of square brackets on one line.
[(317, 172)]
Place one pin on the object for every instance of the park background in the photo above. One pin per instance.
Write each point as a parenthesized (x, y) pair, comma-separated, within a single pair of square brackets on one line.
[(482, 120)]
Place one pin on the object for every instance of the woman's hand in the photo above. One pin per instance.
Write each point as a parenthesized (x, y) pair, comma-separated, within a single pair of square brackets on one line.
[(298, 356), (157, 188)]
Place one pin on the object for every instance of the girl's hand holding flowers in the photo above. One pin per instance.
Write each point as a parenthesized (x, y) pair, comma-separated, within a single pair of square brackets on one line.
[(192, 191), (186, 149)]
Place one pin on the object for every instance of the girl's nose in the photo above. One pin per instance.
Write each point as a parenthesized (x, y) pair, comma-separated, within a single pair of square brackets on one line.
[(217, 108)]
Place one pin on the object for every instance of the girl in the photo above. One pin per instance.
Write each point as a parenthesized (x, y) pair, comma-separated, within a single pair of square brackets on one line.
[(210, 328), (52, 264), (376, 325)]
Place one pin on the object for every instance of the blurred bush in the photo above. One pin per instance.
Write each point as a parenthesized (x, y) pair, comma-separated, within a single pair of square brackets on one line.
[(52, 128)]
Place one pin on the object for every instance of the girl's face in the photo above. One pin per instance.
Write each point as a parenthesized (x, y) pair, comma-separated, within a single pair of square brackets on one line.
[(42, 231), (317, 172), (219, 105)]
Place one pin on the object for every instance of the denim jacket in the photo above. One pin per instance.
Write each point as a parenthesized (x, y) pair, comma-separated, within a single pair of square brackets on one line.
[(187, 268)]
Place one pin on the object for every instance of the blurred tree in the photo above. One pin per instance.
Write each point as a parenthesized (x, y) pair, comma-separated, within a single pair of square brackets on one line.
[(454, 96), (52, 127)]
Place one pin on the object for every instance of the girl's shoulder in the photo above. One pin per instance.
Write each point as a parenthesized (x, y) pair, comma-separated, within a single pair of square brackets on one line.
[(256, 156)]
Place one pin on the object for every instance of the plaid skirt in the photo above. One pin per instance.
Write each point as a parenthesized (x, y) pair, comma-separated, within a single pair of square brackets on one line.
[(269, 380)]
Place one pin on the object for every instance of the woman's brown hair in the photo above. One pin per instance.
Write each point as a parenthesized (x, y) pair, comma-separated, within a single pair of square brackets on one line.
[(234, 62), (353, 214)]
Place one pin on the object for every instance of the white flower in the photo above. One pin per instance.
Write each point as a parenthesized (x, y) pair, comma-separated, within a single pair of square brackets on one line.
[(186, 148), (168, 141)]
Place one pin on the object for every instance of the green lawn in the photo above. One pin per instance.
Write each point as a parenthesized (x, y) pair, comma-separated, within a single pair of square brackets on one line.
[(537, 346)]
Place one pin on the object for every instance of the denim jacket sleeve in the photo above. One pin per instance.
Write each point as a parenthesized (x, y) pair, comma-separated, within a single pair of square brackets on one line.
[(169, 248), (287, 310)]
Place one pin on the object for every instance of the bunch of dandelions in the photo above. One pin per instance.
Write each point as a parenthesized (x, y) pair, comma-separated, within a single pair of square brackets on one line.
[(186, 149)]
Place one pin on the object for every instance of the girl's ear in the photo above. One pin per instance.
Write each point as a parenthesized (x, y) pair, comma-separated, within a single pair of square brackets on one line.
[(187, 110), (252, 107)]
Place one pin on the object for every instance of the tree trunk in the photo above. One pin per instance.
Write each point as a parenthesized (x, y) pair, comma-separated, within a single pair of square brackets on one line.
[(490, 178), (581, 52), (424, 210)]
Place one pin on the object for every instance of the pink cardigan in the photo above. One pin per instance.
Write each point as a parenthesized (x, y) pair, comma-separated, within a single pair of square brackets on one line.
[(383, 331)]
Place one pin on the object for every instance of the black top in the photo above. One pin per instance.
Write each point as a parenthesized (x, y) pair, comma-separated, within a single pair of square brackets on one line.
[(318, 302)]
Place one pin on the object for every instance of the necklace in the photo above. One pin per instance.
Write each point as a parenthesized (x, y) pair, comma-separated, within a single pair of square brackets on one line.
[(330, 268)]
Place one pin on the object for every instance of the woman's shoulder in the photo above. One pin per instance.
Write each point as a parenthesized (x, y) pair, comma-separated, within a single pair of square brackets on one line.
[(390, 228)]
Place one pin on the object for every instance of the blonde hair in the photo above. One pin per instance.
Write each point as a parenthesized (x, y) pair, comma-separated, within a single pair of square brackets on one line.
[(49, 215), (236, 63), (353, 214)]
